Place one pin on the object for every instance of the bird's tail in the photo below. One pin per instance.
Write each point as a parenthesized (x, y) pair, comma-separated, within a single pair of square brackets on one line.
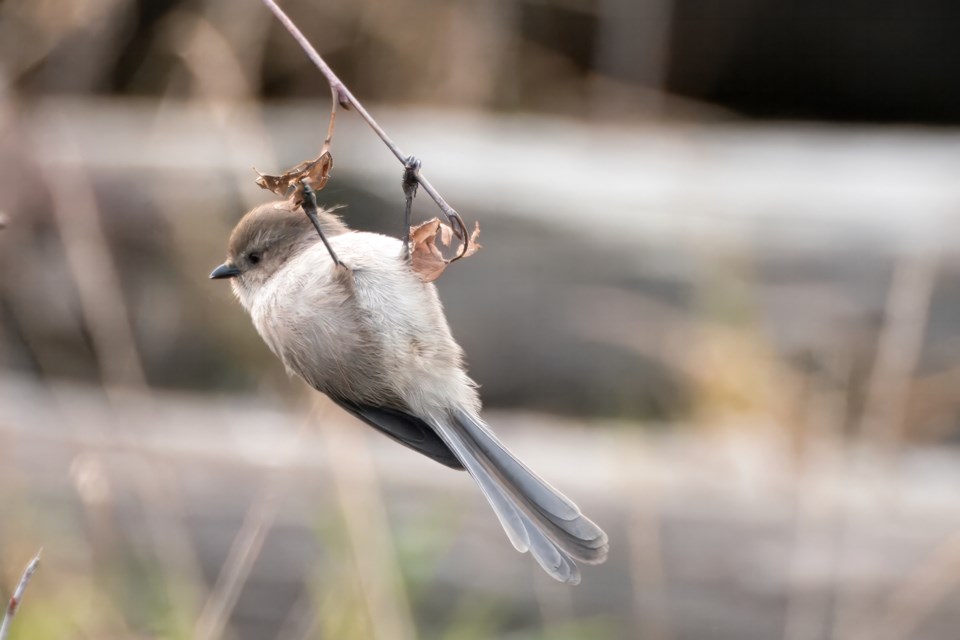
[(536, 517)]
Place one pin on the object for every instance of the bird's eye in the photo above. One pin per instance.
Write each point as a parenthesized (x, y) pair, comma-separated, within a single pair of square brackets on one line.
[(255, 257)]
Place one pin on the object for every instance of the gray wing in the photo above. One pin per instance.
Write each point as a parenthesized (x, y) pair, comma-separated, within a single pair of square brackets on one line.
[(406, 429)]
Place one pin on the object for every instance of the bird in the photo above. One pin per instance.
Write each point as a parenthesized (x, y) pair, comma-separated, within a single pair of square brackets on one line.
[(345, 311)]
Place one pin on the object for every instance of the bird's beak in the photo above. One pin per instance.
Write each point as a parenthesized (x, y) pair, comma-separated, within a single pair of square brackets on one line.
[(226, 270)]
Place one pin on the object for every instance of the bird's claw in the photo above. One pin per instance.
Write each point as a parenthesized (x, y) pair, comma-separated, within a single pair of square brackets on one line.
[(410, 182), (459, 228), (411, 176)]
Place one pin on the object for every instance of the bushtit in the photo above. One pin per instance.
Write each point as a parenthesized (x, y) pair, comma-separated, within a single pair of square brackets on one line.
[(373, 337)]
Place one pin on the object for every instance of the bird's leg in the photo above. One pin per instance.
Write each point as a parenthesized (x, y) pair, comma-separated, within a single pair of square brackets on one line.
[(309, 205), (411, 168)]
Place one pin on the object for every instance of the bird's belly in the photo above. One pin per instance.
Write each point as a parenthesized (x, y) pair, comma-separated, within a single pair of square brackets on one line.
[(325, 342)]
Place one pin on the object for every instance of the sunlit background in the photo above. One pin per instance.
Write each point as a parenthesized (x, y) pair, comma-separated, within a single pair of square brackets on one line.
[(718, 304)]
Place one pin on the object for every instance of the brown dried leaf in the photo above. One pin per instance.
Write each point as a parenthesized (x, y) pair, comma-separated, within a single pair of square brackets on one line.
[(427, 260), (446, 234), (316, 172), (473, 246)]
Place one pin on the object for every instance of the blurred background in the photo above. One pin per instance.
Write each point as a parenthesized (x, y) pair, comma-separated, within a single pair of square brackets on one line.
[(717, 304)]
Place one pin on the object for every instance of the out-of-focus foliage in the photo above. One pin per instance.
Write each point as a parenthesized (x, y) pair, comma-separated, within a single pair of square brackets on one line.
[(735, 343)]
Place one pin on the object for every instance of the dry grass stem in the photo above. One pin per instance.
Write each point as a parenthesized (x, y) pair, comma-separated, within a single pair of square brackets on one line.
[(17, 596), (369, 533), (898, 351), (907, 308), (650, 613), (236, 569), (244, 552), (921, 592), (105, 315)]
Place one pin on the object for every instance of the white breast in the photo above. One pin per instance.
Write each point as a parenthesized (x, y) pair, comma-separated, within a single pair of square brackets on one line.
[(375, 337)]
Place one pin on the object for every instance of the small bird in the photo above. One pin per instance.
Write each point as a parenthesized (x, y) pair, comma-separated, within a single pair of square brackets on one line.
[(345, 311)]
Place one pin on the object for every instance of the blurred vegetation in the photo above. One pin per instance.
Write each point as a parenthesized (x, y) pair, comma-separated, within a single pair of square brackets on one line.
[(736, 340)]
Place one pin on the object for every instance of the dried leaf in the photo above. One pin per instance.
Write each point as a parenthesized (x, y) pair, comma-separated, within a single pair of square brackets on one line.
[(316, 172), (474, 245), (446, 234), (426, 258)]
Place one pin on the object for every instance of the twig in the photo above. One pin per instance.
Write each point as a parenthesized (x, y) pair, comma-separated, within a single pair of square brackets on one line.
[(17, 596), (346, 99)]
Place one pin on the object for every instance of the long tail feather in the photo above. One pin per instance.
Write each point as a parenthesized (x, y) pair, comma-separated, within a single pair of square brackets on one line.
[(535, 516)]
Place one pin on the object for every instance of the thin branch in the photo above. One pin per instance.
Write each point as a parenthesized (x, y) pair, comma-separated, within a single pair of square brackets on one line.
[(17, 596), (347, 100)]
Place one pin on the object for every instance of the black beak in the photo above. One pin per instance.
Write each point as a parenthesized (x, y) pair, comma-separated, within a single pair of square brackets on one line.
[(226, 270)]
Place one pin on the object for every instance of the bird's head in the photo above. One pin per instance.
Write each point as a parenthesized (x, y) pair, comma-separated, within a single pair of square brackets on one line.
[(266, 238)]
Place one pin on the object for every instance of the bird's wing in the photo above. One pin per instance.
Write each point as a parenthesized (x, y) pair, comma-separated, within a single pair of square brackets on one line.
[(406, 429)]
